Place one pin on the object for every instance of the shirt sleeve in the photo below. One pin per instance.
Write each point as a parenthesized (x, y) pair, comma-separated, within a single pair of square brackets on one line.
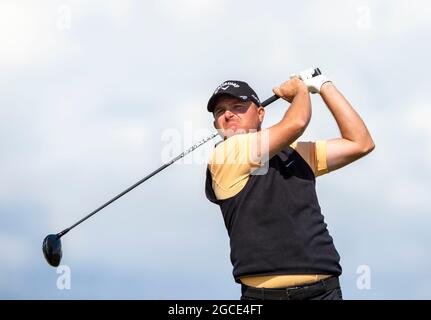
[(231, 164), (314, 153)]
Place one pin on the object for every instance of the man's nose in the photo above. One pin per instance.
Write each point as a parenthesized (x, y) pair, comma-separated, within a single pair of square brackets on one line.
[(228, 114)]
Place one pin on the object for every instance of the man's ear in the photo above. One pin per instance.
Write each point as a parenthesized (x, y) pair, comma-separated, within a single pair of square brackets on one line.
[(214, 124), (261, 113)]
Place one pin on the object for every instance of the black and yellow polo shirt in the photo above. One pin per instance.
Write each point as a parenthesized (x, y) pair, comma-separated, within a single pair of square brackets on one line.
[(271, 211)]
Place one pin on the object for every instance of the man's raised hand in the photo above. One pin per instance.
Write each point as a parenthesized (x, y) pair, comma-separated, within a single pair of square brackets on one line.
[(313, 83)]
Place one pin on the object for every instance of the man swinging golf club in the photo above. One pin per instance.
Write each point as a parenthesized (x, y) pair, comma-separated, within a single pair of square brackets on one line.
[(264, 182)]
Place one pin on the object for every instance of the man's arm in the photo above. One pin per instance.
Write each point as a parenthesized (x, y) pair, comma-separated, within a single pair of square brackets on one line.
[(294, 122), (355, 141)]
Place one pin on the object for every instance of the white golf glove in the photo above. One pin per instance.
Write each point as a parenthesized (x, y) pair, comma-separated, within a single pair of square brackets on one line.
[(313, 83)]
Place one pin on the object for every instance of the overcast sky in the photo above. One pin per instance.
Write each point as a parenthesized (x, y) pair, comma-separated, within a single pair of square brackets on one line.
[(94, 95)]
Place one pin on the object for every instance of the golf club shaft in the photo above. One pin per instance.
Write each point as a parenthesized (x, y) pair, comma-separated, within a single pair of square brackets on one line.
[(183, 154)]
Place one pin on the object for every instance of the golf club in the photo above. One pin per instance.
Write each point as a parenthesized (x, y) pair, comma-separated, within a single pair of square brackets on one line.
[(51, 246)]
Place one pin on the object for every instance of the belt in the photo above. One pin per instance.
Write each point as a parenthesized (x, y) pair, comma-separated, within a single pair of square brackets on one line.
[(291, 293)]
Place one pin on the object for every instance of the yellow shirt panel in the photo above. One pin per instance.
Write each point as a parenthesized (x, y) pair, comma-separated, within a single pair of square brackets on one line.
[(314, 153), (231, 164)]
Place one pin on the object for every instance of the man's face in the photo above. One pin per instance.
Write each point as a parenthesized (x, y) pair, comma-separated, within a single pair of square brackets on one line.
[(235, 116)]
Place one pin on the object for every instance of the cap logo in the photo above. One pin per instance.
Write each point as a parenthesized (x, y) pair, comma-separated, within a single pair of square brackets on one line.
[(226, 85)]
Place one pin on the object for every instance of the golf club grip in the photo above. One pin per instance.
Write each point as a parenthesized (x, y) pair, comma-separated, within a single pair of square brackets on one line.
[(270, 100), (275, 97)]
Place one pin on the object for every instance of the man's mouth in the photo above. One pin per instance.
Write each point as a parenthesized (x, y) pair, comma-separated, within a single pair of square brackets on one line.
[(232, 124)]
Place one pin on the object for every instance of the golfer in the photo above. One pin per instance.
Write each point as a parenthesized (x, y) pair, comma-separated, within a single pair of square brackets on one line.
[(264, 182)]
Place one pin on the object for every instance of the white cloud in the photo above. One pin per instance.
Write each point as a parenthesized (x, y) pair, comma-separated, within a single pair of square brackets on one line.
[(120, 11), (418, 121), (190, 11), (29, 37), (418, 117), (15, 251)]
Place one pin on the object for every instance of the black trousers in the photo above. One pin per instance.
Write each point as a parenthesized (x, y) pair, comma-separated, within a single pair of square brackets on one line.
[(328, 289)]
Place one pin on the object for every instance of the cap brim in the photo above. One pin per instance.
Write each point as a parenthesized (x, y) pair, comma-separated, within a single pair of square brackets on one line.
[(212, 101)]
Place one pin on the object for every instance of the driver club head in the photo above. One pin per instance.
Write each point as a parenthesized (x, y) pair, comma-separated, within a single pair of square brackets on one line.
[(51, 248)]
